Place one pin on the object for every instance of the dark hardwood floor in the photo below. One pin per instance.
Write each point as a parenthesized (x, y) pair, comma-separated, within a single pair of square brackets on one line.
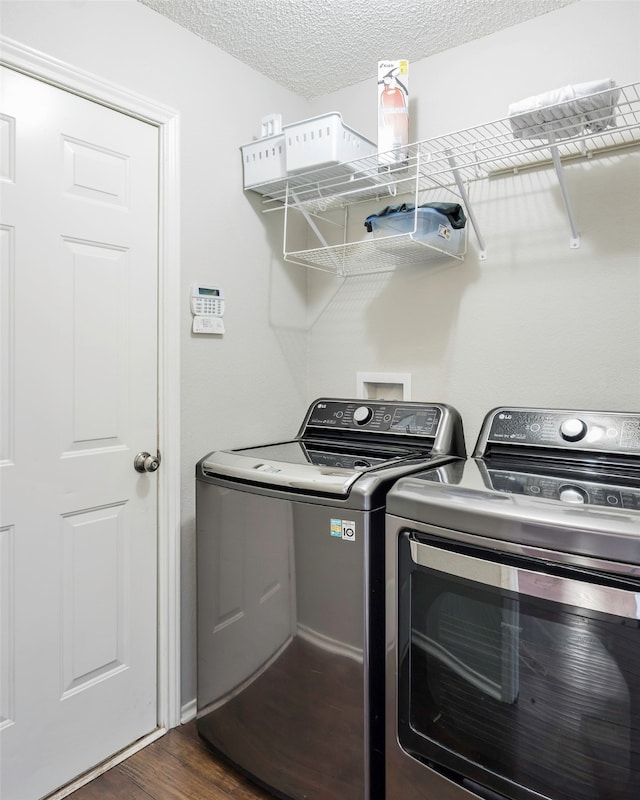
[(177, 766)]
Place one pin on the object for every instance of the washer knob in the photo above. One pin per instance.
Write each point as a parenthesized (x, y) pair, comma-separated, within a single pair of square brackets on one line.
[(573, 429), (362, 415)]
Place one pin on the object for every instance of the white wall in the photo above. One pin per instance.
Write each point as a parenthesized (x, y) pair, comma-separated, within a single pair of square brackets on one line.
[(251, 384), (537, 322)]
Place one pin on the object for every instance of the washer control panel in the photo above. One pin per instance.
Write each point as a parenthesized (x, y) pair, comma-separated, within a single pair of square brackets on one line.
[(607, 432), (408, 419)]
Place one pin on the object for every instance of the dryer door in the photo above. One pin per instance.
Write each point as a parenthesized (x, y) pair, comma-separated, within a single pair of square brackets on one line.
[(518, 676)]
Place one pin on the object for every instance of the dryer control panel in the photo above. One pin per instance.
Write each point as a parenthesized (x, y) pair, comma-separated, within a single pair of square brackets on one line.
[(591, 431)]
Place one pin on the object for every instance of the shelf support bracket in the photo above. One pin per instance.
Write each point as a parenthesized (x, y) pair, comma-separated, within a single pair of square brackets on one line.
[(311, 223), (574, 241), (465, 199)]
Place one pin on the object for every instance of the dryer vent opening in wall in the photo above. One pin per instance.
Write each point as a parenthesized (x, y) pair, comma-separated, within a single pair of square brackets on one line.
[(383, 386)]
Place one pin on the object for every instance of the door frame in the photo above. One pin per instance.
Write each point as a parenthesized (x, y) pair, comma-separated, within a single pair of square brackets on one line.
[(43, 67)]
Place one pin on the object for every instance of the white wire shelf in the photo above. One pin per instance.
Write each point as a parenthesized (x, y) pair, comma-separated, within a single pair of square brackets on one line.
[(492, 149), (366, 257), (452, 162)]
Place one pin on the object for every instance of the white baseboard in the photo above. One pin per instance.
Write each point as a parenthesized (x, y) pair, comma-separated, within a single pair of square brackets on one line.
[(188, 711)]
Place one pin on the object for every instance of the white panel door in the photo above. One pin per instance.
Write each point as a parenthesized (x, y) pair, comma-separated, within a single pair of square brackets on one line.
[(78, 400)]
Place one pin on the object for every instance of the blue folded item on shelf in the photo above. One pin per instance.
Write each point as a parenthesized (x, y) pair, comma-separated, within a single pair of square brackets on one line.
[(453, 211), (440, 226)]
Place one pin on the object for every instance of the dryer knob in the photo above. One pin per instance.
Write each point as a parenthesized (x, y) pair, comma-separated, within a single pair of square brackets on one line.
[(573, 494), (573, 430), (362, 415)]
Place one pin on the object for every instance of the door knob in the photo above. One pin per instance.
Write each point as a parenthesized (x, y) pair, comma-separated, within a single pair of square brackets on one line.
[(145, 462)]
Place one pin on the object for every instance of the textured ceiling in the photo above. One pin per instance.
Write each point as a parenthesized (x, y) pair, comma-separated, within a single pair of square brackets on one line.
[(314, 47)]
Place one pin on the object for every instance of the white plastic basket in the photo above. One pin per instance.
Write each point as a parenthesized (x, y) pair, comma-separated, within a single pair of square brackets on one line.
[(263, 161), (323, 141)]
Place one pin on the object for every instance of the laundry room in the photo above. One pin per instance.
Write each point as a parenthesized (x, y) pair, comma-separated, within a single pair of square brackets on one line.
[(540, 308)]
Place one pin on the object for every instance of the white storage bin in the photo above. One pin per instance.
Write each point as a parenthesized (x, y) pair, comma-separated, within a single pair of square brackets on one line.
[(432, 228), (263, 161), (323, 141)]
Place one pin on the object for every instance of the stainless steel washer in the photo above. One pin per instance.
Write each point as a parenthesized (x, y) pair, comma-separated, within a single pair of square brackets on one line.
[(513, 615), (290, 570)]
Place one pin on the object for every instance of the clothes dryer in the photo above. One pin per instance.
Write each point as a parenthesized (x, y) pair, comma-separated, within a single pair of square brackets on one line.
[(513, 615)]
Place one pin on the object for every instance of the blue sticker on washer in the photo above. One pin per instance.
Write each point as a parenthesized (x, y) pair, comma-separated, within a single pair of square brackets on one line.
[(344, 529)]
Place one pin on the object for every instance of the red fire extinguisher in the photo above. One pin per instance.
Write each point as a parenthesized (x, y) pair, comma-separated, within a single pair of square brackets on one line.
[(395, 114)]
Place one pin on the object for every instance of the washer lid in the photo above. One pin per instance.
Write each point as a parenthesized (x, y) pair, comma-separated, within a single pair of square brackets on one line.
[(310, 465)]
